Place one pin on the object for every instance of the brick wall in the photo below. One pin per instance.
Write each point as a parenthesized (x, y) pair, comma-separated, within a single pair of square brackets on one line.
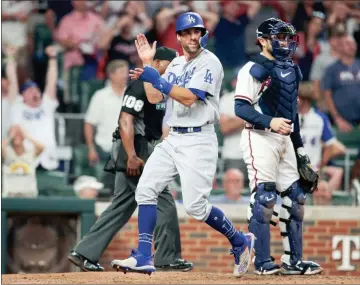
[(209, 250)]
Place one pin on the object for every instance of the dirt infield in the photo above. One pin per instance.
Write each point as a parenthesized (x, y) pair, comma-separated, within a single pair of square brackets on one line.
[(169, 278)]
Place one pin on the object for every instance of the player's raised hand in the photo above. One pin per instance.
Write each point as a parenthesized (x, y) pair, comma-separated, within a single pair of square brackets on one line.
[(145, 51), (281, 126), (136, 73)]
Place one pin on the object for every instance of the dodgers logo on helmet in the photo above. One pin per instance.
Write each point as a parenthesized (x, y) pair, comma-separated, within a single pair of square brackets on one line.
[(190, 20)]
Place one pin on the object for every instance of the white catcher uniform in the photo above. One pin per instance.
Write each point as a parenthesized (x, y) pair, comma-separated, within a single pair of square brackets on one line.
[(270, 156), (191, 153)]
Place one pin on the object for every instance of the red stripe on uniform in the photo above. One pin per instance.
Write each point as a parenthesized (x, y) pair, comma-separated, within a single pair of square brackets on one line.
[(252, 162), (243, 98)]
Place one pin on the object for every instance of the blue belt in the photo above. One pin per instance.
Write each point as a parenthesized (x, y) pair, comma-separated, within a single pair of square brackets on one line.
[(184, 130)]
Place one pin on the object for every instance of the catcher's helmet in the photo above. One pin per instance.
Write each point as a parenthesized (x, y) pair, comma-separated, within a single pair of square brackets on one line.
[(276, 30), (192, 20)]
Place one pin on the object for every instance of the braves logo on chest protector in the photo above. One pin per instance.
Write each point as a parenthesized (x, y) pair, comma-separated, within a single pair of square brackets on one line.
[(280, 86)]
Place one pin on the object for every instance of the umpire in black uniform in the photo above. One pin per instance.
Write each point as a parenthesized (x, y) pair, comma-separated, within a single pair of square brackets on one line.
[(140, 127)]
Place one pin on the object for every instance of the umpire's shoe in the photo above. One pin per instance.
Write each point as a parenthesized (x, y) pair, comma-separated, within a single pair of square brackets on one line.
[(301, 268), (179, 265), (83, 263)]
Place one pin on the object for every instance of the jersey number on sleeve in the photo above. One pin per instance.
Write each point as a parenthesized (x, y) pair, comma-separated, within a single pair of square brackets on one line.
[(131, 103), (208, 77)]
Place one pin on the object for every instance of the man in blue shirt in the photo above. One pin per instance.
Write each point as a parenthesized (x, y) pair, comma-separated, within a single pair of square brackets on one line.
[(341, 85), (230, 33)]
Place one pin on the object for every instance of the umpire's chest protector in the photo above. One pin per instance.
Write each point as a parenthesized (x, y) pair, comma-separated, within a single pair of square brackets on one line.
[(282, 79)]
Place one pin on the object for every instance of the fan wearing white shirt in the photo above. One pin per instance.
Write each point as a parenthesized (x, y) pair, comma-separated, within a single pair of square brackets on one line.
[(103, 112), (319, 140), (35, 113)]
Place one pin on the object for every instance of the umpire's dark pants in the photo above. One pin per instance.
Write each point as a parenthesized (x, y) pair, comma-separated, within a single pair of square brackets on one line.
[(118, 213)]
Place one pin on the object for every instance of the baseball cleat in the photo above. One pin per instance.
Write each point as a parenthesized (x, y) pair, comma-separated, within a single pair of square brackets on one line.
[(83, 263), (242, 255), (136, 262), (301, 268), (267, 268), (181, 265)]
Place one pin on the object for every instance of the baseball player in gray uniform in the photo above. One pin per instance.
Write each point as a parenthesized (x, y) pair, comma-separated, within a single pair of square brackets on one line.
[(193, 81)]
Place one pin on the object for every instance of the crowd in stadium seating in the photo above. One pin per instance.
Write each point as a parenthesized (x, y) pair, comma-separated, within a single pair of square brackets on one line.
[(65, 66)]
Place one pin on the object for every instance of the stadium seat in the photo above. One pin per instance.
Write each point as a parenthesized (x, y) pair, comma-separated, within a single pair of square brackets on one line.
[(88, 88), (341, 198), (53, 183), (81, 163), (350, 140)]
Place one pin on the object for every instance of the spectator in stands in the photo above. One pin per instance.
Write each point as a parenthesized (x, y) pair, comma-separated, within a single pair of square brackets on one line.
[(87, 187), (230, 32), (57, 10), (233, 183), (304, 12), (309, 46), (341, 84), (289, 8), (102, 115), (35, 113), (231, 128), (110, 11), (14, 17), (268, 9), (79, 34), (165, 20), (339, 13), (319, 141), (19, 164), (121, 43), (9, 89), (325, 59)]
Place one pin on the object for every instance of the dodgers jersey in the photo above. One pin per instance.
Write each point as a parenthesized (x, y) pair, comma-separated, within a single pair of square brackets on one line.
[(204, 73), (316, 132)]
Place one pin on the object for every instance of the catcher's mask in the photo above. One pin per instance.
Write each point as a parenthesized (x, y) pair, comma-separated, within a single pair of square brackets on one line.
[(283, 37)]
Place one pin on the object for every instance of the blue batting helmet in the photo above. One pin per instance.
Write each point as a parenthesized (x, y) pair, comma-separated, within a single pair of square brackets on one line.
[(192, 20), (276, 30)]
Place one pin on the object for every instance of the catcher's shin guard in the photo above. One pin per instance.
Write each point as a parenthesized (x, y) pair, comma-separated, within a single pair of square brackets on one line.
[(291, 223), (260, 213)]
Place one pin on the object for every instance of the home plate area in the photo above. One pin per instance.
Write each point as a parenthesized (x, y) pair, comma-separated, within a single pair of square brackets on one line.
[(170, 278)]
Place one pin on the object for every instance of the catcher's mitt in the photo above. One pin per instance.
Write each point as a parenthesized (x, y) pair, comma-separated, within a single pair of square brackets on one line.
[(308, 177)]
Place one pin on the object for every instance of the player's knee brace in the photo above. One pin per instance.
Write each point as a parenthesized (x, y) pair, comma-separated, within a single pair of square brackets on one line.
[(262, 202), (291, 218)]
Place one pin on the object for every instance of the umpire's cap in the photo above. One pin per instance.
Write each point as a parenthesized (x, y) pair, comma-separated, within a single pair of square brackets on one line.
[(165, 53)]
